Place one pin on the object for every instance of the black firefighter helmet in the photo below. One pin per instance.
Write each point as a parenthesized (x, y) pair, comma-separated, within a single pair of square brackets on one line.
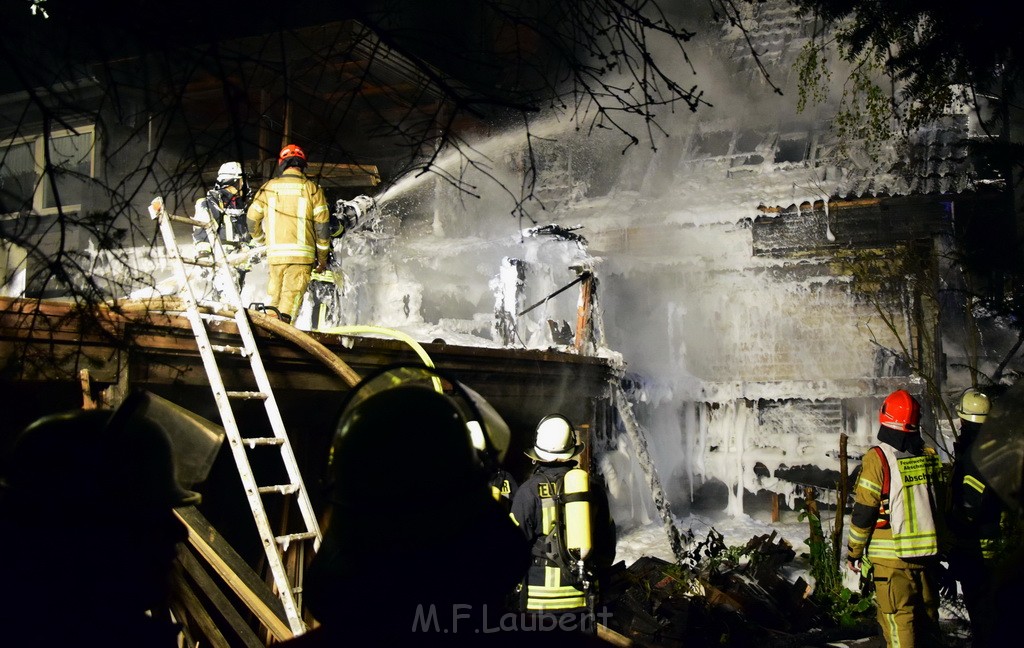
[(122, 459), (409, 468)]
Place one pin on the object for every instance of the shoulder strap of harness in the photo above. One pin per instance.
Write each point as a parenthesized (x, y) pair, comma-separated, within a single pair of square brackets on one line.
[(885, 471), (883, 509), (552, 544)]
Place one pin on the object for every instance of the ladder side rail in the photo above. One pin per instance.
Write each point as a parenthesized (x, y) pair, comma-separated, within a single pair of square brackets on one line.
[(263, 385), (230, 425)]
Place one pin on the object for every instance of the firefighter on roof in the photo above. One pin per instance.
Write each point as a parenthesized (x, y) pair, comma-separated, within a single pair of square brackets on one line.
[(224, 205), (289, 214), (894, 525)]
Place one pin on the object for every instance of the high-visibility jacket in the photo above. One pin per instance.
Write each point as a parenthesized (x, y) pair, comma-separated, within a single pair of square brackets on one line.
[(896, 506), (290, 215)]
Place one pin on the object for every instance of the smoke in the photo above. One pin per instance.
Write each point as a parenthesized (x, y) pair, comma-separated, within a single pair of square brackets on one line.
[(709, 333)]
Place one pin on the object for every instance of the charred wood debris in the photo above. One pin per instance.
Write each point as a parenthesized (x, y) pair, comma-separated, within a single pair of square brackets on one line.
[(722, 596)]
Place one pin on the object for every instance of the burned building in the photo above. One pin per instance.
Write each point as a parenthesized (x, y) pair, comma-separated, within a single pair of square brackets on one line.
[(715, 309)]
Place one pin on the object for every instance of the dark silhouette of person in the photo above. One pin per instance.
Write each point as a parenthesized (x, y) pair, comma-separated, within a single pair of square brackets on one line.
[(998, 455), (417, 550), (88, 531)]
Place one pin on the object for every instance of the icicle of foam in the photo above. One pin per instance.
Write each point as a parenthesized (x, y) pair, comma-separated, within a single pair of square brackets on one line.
[(828, 224), (737, 433)]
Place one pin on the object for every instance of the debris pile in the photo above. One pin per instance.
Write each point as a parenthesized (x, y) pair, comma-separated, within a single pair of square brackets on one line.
[(717, 596)]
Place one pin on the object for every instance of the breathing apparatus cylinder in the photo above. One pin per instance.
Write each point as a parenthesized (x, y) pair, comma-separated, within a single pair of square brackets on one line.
[(576, 485)]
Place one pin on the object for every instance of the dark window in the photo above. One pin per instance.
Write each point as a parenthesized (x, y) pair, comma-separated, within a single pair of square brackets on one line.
[(71, 156), (24, 186), (791, 150), (17, 178), (748, 141), (713, 144)]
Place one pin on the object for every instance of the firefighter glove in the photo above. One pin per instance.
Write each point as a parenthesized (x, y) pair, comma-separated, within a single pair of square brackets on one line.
[(946, 581)]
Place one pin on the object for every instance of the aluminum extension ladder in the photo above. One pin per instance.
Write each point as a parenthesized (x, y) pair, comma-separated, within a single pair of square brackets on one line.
[(274, 545)]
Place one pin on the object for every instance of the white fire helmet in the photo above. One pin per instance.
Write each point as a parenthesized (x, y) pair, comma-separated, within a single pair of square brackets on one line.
[(229, 171), (974, 406), (556, 440)]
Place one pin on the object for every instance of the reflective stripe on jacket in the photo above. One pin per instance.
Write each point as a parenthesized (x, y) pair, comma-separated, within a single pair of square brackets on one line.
[(290, 215), (976, 509)]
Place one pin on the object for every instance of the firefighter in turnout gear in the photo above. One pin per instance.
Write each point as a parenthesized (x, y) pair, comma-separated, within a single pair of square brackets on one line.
[(290, 215), (895, 525), (224, 205), (555, 509), (975, 516)]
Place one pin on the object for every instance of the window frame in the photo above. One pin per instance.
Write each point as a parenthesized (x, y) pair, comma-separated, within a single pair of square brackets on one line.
[(42, 181)]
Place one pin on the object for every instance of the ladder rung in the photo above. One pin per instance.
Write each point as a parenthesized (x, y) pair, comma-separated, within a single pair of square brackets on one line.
[(185, 219), (214, 317), (232, 350), (263, 441), (286, 540), (283, 489), (247, 395)]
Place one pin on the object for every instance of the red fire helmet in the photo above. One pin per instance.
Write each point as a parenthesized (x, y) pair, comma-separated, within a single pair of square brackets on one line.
[(290, 151), (900, 411)]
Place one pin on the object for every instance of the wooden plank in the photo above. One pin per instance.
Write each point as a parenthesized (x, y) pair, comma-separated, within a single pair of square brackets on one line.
[(346, 175), (235, 572), (153, 329), (612, 637), (32, 361), (199, 615), (88, 402), (842, 492), (819, 204), (212, 592)]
